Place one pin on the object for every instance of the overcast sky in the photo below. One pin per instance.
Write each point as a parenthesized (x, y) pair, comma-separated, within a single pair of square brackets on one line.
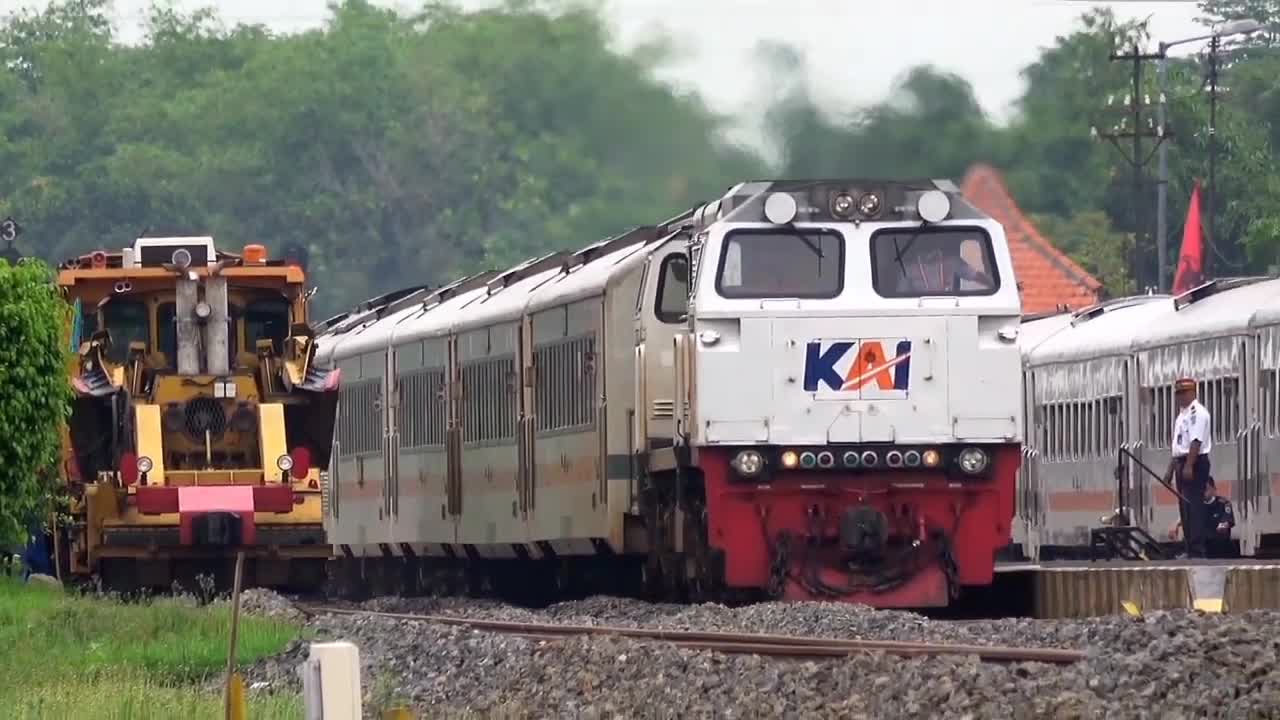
[(855, 50)]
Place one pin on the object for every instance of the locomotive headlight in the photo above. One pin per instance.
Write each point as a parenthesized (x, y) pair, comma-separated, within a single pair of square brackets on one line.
[(790, 459), (973, 460), (748, 463), (933, 206), (931, 458), (203, 311), (284, 462), (181, 258), (869, 205), (842, 205), (808, 459), (144, 464)]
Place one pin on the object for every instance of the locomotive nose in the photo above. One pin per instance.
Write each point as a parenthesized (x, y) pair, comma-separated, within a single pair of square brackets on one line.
[(864, 531)]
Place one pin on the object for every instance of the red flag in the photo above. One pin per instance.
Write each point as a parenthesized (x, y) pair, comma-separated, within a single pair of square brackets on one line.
[(1191, 260)]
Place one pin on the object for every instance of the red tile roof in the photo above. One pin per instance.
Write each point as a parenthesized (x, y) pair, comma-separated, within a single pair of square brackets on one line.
[(1047, 278)]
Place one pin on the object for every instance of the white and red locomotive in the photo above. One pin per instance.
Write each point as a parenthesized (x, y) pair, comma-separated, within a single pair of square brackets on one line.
[(805, 389)]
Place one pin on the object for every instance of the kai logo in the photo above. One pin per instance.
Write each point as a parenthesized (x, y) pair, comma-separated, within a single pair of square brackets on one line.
[(850, 366)]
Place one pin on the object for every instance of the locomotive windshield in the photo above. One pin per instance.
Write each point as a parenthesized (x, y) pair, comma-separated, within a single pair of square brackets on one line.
[(916, 263), (773, 264)]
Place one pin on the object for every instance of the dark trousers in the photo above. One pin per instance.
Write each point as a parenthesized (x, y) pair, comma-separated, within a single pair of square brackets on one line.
[(1193, 512)]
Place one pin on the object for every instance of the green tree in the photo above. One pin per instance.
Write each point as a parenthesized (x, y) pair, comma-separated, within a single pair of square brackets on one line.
[(1091, 240), (34, 393)]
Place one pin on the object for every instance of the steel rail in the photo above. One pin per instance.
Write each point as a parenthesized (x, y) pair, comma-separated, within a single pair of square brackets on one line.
[(751, 643)]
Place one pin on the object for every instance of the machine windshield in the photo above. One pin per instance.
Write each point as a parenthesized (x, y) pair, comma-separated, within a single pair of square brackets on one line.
[(127, 322), (266, 320), (914, 263), (781, 264)]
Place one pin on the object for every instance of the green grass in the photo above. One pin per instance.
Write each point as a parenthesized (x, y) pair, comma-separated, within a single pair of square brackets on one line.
[(69, 656)]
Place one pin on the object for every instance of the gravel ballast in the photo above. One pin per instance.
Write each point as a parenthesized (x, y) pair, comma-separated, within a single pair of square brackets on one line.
[(1179, 664)]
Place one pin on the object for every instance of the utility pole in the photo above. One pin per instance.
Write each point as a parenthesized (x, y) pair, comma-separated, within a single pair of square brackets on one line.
[(1162, 183), (1235, 27), (1135, 159), (1214, 44)]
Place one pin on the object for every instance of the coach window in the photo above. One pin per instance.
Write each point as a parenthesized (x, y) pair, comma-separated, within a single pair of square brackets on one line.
[(781, 264), (672, 302), (912, 263)]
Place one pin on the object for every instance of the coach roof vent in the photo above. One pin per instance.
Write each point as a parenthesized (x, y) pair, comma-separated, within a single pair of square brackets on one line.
[(533, 266), (1212, 287), (458, 287), (1086, 314)]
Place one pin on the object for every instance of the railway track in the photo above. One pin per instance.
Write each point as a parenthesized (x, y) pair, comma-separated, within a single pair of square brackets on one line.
[(780, 646)]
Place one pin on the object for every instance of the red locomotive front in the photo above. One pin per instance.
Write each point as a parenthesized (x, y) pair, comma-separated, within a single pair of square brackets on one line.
[(850, 392)]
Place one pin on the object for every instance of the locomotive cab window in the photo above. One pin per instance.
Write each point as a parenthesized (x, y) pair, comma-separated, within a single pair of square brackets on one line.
[(911, 262), (781, 264), (128, 321), (672, 302)]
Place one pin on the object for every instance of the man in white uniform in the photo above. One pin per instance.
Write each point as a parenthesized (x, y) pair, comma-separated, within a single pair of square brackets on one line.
[(1189, 466)]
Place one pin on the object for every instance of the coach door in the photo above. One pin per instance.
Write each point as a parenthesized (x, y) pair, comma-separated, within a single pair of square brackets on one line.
[(453, 436), (1251, 495), (1029, 506), (1136, 490)]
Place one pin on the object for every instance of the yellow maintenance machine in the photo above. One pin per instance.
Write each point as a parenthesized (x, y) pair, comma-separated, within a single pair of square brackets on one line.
[(201, 424)]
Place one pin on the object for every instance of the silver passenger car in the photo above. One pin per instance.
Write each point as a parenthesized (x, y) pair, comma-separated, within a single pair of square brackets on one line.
[(1101, 379)]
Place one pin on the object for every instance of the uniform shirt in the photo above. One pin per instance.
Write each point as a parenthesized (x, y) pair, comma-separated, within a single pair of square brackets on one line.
[(1217, 512), (1191, 424)]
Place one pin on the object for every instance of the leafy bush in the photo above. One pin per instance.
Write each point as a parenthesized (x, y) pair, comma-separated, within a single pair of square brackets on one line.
[(34, 392)]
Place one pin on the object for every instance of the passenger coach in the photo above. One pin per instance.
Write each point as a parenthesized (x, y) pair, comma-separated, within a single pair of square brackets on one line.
[(805, 389), (1101, 380)]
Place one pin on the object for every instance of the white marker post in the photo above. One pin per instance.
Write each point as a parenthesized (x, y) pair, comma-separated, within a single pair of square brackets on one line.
[(331, 682)]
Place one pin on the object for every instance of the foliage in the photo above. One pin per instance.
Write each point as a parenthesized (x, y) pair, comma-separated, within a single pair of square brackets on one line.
[(72, 656), (408, 149), (399, 150), (34, 395), (1054, 167), (1092, 241)]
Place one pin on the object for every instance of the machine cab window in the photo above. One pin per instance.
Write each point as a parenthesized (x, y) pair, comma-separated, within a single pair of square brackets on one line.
[(912, 263), (128, 322), (672, 302), (266, 320), (781, 264)]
